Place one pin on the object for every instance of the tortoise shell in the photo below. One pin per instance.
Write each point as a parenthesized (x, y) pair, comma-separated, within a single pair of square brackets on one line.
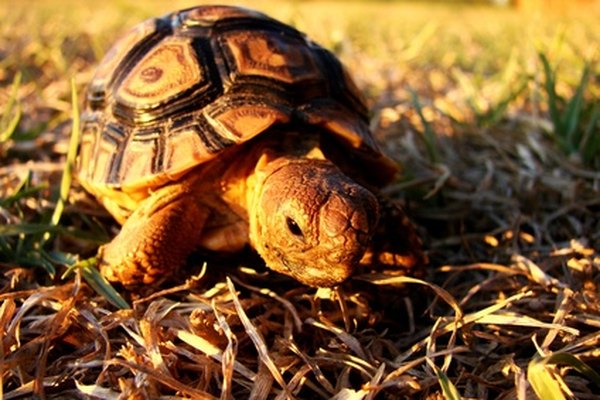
[(176, 91)]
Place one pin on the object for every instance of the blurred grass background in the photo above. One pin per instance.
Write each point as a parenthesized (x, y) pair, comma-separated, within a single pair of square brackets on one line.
[(470, 61)]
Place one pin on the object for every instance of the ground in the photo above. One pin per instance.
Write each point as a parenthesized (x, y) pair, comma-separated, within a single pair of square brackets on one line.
[(494, 115)]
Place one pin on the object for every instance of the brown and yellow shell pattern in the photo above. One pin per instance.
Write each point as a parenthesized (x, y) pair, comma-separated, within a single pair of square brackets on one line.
[(177, 90)]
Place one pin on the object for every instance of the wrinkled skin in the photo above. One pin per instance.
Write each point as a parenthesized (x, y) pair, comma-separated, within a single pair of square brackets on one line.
[(295, 207), (310, 221)]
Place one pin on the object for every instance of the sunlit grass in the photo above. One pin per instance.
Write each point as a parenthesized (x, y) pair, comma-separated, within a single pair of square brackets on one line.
[(494, 114), (574, 118), (11, 113)]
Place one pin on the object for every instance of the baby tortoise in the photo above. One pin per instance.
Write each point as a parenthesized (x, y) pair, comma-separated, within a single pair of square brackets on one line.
[(218, 127)]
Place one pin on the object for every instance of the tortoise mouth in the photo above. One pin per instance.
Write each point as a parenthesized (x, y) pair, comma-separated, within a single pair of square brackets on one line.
[(317, 276)]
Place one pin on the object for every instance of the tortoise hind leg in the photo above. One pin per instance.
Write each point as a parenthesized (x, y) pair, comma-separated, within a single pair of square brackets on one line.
[(395, 247), (156, 239)]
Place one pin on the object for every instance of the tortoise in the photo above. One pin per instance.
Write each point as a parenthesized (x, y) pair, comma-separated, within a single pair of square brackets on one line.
[(220, 128)]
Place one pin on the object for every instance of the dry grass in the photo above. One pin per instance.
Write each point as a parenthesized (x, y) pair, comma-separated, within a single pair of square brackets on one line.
[(511, 224)]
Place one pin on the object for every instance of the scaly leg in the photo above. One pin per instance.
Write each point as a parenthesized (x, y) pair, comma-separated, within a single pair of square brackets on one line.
[(396, 246), (156, 239)]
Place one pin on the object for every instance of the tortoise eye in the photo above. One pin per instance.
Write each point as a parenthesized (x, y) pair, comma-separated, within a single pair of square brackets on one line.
[(293, 227)]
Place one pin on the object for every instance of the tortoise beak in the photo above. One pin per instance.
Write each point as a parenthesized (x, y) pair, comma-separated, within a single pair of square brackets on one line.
[(317, 275)]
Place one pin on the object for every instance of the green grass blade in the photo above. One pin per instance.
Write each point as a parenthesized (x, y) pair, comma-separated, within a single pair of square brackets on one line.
[(67, 177), (419, 41), (576, 363), (429, 137), (497, 111), (27, 229), (566, 115), (38, 258), (12, 113), (589, 146), (550, 87), (572, 113), (448, 388), (11, 127), (22, 191), (542, 381), (60, 257), (92, 276)]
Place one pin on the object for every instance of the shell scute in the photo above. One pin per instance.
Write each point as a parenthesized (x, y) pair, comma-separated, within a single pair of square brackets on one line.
[(186, 148), (208, 15), (279, 57), (117, 53), (244, 118), (141, 157), (107, 155), (338, 119), (90, 132), (166, 71)]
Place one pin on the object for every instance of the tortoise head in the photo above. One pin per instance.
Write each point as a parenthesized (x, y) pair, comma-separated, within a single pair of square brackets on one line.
[(310, 221)]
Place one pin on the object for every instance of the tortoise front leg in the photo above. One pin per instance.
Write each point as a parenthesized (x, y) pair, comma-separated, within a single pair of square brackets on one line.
[(156, 239), (395, 246)]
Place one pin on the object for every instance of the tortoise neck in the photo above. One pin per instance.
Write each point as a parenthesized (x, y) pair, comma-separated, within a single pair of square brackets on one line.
[(301, 142), (273, 155), (278, 150), (244, 172)]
